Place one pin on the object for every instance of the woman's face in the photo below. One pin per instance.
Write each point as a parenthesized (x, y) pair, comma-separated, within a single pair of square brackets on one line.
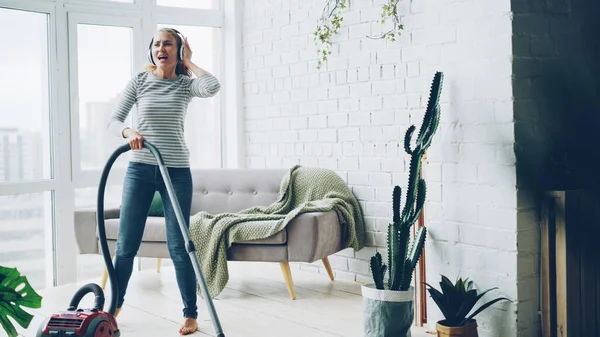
[(164, 49)]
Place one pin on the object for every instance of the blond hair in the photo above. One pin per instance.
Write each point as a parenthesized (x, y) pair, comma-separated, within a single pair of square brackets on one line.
[(180, 69)]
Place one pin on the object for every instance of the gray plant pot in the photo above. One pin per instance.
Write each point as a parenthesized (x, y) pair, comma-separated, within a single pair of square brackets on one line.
[(387, 313)]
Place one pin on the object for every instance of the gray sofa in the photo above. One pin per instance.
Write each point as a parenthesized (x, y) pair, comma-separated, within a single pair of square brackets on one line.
[(309, 237)]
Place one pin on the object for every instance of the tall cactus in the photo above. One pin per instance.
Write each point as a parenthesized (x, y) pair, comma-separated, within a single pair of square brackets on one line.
[(401, 260)]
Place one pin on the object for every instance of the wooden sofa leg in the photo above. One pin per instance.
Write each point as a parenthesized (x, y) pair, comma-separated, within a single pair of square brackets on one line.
[(105, 276), (328, 267), (287, 276), (104, 279), (158, 265)]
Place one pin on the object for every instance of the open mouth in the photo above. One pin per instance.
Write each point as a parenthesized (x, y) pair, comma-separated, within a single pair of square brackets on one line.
[(162, 57)]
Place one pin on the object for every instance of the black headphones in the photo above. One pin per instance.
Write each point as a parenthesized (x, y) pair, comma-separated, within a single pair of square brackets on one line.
[(179, 54)]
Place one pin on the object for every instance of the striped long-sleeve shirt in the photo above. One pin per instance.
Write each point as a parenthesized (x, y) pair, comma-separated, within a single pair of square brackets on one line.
[(161, 109)]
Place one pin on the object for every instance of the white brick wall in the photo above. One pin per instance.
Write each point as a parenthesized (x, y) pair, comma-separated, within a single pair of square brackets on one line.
[(351, 116)]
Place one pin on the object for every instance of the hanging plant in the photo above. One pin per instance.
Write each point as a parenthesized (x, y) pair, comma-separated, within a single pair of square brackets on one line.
[(390, 12), (331, 20), (328, 26)]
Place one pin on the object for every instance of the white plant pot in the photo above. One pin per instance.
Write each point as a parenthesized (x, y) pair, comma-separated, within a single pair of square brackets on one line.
[(387, 313)]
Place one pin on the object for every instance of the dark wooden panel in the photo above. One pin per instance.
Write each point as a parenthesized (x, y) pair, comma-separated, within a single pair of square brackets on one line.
[(570, 271)]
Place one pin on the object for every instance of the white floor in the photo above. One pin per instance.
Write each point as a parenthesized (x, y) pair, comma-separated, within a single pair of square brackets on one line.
[(251, 305)]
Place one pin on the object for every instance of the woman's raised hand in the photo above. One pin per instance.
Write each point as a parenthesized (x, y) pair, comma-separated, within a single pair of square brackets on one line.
[(187, 53)]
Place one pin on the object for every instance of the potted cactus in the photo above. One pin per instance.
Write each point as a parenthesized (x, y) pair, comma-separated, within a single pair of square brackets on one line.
[(388, 306), (16, 292)]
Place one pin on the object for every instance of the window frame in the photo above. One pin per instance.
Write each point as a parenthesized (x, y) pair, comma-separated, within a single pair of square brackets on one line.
[(161, 7), (61, 250), (90, 178), (55, 207)]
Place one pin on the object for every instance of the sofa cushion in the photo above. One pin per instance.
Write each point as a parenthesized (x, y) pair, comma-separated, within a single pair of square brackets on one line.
[(231, 190), (155, 231), (263, 253)]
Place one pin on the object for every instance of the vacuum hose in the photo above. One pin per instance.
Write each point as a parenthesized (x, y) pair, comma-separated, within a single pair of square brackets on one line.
[(102, 227), (88, 288)]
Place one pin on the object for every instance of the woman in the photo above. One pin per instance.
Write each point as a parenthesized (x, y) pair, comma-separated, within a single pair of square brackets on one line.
[(161, 94)]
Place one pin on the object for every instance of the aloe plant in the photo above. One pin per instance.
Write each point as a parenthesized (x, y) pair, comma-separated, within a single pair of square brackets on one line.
[(401, 260), (16, 292), (456, 301)]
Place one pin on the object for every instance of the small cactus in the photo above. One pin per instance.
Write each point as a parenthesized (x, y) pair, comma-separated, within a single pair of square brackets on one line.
[(401, 259), (378, 270)]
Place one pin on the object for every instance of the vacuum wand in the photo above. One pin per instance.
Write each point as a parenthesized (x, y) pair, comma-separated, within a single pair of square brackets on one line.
[(189, 245)]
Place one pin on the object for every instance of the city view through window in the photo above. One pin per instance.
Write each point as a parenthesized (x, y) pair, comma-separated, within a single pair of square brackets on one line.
[(25, 142), (27, 127)]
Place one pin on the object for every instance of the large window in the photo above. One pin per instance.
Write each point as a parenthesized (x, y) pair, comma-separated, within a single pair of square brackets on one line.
[(25, 144), (65, 65), (24, 97)]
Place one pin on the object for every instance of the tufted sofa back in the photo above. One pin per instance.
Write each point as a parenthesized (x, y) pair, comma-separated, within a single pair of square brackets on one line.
[(231, 190)]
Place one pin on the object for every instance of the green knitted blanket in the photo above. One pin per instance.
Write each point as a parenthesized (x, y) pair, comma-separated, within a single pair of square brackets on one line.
[(302, 189)]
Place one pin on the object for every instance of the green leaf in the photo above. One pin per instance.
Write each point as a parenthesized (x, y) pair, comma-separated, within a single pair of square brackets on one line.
[(485, 292), (451, 294), (468, 302), (460, 286), (16, 292), (440, 300), (8, 294), (8, 326), (446, 282), (485, 306)]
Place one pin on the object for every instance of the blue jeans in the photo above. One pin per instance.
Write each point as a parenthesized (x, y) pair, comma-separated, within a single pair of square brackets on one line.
[(141, 182)]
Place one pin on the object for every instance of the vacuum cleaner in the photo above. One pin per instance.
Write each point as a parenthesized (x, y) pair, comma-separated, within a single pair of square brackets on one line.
[(95, 322)]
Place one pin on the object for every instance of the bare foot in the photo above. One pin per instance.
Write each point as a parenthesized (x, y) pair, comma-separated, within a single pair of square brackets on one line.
[(189, 326), (117, 311)]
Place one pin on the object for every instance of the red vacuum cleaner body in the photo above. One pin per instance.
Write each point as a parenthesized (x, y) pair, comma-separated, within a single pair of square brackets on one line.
[(82, 322)]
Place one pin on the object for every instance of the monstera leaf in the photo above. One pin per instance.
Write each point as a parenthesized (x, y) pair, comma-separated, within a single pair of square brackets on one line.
[(16, 292)]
